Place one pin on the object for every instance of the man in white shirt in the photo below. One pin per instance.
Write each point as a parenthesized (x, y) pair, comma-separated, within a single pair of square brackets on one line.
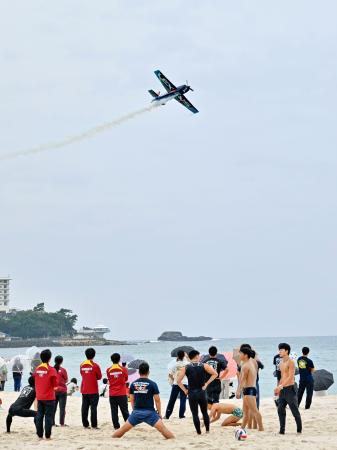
[(175, 391)]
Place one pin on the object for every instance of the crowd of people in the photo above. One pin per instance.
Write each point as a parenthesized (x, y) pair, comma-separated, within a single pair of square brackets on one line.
[(192, 377)]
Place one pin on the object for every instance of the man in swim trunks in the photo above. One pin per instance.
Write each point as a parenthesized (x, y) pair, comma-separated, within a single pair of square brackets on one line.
[(286, 390), (247, 384), (235, 414), (143, 394)]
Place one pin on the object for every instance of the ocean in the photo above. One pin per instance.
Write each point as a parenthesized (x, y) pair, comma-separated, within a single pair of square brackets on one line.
[(157, 354)]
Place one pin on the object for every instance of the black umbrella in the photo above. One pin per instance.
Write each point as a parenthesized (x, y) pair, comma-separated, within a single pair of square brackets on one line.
[(184, 348), (135, 363), (220, 357), (131, 371), (322, 380)]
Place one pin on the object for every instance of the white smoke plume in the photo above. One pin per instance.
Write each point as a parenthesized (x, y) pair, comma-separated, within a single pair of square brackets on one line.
[(78, 137)]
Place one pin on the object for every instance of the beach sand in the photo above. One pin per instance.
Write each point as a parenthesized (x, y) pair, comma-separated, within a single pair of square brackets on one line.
[(319, 431)]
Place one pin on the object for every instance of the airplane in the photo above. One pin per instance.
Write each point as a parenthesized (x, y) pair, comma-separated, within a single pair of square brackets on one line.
[(173, 92)]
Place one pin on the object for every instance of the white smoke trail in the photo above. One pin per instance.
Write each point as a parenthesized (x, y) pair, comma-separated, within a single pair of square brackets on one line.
[(79, 137)]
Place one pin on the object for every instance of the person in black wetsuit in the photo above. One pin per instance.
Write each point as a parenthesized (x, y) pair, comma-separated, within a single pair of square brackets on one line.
[(214, 389), (197, 385), (21, 406)]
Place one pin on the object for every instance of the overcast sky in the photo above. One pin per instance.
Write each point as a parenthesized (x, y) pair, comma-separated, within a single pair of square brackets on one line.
[(220, 223)]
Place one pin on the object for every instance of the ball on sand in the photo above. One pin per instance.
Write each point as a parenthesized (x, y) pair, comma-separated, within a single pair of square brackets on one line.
[(240, 434)]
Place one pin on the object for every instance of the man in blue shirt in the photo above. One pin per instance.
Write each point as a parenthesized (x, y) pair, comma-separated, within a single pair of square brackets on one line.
[(144, 393), (306, 368)]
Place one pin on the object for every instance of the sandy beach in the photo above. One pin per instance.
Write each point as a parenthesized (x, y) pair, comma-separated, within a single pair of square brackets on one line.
[(319, 423)]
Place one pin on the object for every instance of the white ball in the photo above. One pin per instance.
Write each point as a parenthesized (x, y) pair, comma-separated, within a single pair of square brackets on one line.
[(240, 434)]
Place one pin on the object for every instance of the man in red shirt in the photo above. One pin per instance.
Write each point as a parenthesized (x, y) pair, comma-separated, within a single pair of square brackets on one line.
[(91, 373), (118, 377), (45, 383)]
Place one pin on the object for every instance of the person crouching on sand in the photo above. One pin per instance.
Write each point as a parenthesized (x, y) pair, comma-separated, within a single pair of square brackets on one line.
[(143, 394), (21, 406), (235, 414)]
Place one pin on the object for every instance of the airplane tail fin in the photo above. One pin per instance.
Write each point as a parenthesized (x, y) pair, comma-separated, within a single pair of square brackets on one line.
[(154, 94)]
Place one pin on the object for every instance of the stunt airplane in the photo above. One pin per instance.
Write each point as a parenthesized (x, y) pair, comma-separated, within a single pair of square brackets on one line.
[(173, 92)]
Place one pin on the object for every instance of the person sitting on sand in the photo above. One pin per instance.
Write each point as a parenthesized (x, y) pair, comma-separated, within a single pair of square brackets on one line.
[(143, 394), (235, 412), (72, 386), (21, 406)]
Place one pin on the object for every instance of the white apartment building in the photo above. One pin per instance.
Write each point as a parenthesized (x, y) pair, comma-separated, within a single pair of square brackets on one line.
[(4, 294)]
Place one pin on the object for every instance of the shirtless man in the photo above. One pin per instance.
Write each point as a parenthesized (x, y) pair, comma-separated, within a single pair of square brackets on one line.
[(286, 390), (247, 384), (235, 414)]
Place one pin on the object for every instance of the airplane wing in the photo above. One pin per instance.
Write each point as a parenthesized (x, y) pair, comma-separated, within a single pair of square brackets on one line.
[(183, 100), (164, 81)]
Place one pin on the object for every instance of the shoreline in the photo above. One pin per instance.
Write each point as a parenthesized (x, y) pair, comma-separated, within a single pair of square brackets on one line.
[(27, 343)]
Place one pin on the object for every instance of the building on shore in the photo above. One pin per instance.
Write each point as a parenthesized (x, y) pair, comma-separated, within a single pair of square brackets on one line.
[(4, 294), (92, 333)]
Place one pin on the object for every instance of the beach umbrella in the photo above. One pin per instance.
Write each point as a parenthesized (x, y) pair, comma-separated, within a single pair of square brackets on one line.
[(184, 348), (127, 357), (231, 366), (322, 380), (133, 375), (135, 363)]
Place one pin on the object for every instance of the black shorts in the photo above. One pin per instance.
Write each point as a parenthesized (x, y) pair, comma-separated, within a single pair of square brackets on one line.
[(213, 392), (213, 397)]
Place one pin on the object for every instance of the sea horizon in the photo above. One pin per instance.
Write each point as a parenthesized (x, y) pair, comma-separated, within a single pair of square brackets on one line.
[(157, 353)]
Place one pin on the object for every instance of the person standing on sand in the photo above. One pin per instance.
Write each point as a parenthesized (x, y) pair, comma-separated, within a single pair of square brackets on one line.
[(259, 366), (197, 385), (45, 383), (3, 377), (306, 368), (17, 370), (143, 394), (61, 390), (91, 373), (118, 377), (276, 362), (175, 391), (247, 384), (219, 365), (286, 390)]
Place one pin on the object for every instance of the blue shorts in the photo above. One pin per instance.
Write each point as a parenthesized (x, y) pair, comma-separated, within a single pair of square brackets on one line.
[(148, 416)]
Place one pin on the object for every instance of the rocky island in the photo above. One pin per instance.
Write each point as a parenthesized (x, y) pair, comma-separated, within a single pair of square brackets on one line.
[(178, 336)]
